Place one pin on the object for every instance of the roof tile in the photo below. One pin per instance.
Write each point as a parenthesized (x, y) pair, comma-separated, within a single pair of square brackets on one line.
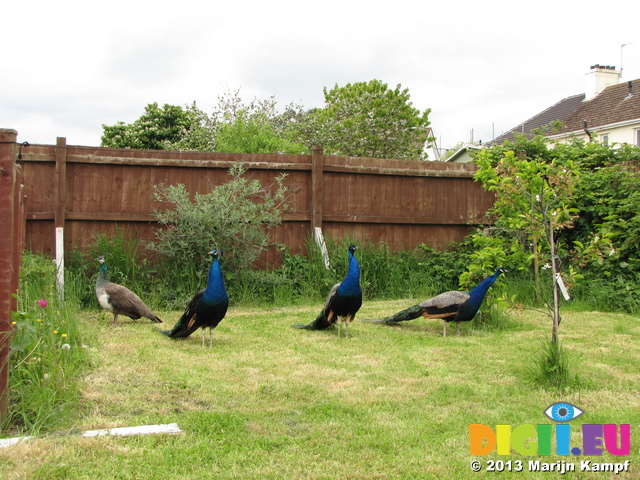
[(613, 105)]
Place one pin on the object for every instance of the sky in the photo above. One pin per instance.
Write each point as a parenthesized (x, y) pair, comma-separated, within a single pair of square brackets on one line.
[(482, 67)]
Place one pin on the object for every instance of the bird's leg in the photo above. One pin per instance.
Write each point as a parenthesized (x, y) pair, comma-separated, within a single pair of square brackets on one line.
[(444, 333), (210, 337), (115, 318), (346, 320), (203, 336), (339, 325), (458, 327)]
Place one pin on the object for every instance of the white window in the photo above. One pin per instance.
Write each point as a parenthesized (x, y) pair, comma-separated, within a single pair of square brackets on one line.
[(638, 137), (604, 139)]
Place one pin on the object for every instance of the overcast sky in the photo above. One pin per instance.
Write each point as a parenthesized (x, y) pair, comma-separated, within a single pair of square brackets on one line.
[(480, 66)]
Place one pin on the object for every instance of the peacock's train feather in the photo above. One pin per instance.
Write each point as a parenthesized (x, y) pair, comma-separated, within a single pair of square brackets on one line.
[(452, 306)]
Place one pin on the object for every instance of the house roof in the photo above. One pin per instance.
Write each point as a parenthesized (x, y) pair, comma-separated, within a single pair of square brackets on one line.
[(463, 154), (615, 104), (558, 112)]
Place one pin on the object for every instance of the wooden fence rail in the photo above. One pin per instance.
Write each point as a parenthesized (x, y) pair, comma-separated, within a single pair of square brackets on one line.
[(91, 190)]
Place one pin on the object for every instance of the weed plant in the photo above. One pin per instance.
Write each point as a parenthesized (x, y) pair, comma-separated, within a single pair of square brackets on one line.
[(551, 367), (47, 358)]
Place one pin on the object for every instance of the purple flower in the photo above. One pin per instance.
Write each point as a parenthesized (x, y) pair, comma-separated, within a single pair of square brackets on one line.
[(43, 303)]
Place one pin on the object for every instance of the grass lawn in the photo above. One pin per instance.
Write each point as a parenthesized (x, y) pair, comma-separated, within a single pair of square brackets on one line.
[(272, 402)]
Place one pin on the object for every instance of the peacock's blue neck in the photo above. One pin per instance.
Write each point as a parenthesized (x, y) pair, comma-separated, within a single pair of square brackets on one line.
[(476, 296), (351, 283), (215, 290)]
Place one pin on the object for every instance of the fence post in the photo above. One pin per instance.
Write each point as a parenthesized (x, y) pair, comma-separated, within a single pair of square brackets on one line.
[(8, 242), (20, 226), (60, 210), (317, 186), (60, 183)]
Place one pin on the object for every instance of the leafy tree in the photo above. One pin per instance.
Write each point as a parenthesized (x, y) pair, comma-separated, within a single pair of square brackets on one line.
[(201, 134), (234, 126), (157, 129), (248, 136), (361, 119), (254, 127), (368, 119), (547, 198), (607, 233)]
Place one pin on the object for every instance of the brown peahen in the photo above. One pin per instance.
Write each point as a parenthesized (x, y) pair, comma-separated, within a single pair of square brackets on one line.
[(207, 308), (452, 306), (343, 302), (120, 300)]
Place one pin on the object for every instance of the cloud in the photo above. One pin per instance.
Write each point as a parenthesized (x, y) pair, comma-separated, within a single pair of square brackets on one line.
[(481, 66)]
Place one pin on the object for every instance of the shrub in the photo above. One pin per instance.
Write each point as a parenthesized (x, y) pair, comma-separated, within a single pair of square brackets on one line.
[(232, 217)]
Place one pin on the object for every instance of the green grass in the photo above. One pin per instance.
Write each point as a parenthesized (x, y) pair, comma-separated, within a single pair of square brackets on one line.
[(272, 402)]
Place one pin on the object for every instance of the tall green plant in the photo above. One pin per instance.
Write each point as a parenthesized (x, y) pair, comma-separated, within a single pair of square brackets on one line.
[(597, 186), (232, 217), (156, 129), (47, 358), (609, 199)]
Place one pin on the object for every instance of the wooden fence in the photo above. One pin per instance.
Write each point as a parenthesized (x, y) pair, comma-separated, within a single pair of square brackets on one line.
[(11, 243), (91, 190), (86, 191)]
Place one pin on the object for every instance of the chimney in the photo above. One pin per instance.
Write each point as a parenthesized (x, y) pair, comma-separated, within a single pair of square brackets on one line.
[(599, 78)]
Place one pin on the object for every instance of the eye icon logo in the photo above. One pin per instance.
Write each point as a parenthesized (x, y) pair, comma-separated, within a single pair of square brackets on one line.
[(562, 412)]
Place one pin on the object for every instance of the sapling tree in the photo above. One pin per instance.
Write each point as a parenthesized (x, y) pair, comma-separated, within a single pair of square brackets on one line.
[(533, 199)]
